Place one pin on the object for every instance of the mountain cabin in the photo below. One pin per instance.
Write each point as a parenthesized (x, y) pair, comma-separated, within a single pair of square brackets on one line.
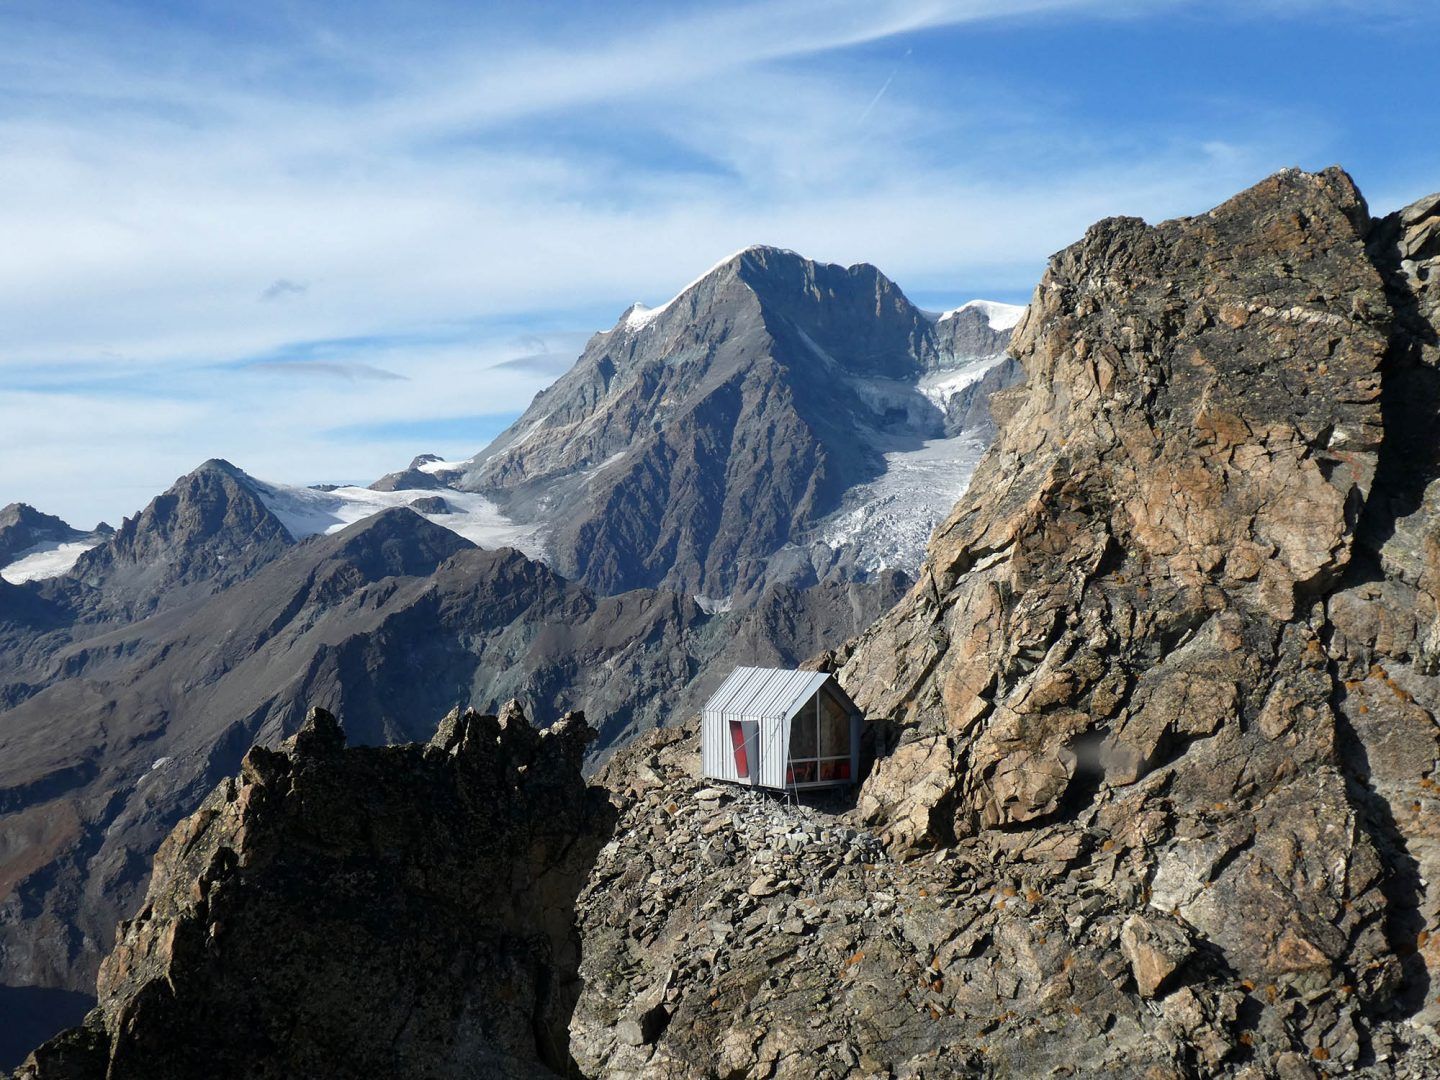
[(780, 729)]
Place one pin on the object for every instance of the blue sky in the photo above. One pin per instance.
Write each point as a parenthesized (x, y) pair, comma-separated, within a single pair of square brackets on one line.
[(318, 239)]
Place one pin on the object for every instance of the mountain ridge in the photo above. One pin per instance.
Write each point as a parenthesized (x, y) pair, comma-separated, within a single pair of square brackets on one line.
[(393, 621), (657, 429)]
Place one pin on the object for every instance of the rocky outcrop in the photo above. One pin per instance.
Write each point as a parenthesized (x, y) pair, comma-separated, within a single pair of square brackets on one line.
[(966, 333), (1179, 634), (22, 527), (396, 911), (410, 478)]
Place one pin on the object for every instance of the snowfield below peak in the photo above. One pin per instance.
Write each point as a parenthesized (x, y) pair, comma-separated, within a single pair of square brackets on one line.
[(887, 522), (45, 560), (999, 316), (941, 386), (310, 511)]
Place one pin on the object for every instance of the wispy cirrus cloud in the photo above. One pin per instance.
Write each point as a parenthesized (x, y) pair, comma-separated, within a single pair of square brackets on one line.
[(280, 288), (350, 370), (415, 189)]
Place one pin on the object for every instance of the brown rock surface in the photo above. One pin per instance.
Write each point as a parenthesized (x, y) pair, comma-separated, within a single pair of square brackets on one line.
[(395, 911), (1182, 626), (1156, 787)]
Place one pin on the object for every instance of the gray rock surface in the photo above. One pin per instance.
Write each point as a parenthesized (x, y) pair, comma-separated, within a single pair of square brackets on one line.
[(728, 933), (209, 530), (967, 333), (396, 911)]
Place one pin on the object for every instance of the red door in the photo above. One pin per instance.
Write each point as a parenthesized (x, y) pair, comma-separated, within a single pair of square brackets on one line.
[(744, 739)]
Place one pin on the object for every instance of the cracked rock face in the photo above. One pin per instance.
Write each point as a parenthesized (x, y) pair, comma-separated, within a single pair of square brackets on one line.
[(1190, 626), (401, 911)]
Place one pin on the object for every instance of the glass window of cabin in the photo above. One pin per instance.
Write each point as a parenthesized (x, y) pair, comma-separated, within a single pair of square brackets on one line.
[(802, 734), (801, 772), (834, 728)]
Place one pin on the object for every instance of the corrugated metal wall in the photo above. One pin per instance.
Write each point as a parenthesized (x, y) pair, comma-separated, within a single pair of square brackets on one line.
[(775, 742)]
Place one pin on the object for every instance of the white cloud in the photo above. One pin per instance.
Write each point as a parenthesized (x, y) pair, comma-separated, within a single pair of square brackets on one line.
[(428, 185)]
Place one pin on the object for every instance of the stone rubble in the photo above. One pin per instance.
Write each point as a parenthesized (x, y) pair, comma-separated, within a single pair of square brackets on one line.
[(727, 932)]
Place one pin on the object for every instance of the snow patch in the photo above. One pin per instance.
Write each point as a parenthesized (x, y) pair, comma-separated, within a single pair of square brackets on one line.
[(999, 316), (595, 470), (158, 762), (815, 348), (307, 512), (525, 436), (45, 560), (941, 386), (438, 466), (637, 315), (714, 606), (887, 522)]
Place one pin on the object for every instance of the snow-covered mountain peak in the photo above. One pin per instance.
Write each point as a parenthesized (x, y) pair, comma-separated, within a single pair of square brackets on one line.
[(999, 316), (638, 316)]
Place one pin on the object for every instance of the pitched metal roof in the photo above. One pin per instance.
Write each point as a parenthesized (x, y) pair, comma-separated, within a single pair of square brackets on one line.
[(758, 693)]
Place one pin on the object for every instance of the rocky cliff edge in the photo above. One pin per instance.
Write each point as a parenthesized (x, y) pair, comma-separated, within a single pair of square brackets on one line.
[(397, 911), (1185, 630)]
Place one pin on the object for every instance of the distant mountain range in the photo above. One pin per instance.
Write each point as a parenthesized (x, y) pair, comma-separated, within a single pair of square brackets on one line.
[(746, 474), (777, 419), (708, 444)]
